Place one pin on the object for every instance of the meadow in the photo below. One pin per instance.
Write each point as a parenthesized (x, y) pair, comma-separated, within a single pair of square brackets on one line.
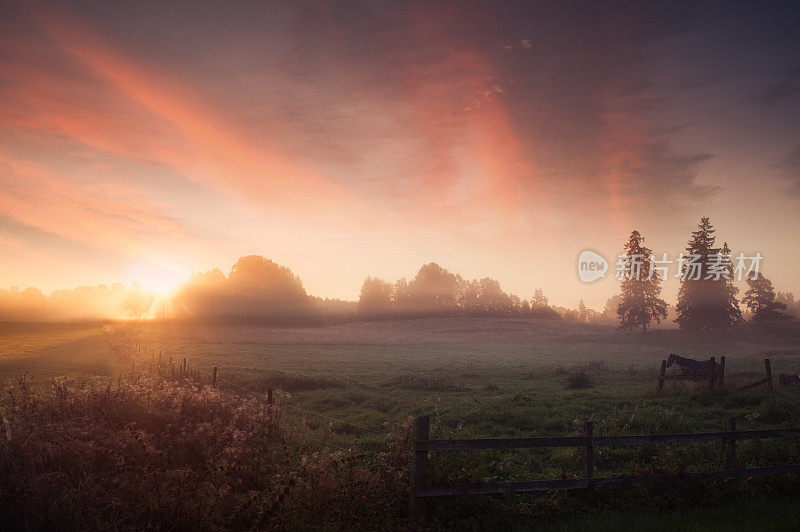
[(349, 386)]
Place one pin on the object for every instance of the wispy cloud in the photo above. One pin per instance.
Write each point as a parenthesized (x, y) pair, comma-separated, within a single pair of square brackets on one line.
[(788, 86)]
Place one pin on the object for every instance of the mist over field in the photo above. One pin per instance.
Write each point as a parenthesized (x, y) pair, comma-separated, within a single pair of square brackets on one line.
[(399, 265)]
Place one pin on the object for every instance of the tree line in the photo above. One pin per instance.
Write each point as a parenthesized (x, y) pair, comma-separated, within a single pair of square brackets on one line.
[(707, 298), (81, 303), (258, 289), (435, 291)]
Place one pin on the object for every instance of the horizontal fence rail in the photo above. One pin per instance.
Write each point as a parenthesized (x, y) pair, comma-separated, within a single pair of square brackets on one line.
[(423, 445), (600, 441)]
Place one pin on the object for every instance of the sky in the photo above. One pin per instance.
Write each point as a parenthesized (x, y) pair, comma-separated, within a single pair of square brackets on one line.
[(141, 141)]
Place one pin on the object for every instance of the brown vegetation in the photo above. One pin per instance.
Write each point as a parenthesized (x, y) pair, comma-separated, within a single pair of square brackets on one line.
[(145, 452)]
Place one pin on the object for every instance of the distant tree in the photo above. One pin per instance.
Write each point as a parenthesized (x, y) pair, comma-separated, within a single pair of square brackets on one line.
[(639, 303), (540, 308), (581, 312), (468, 298), (213, 277), (760, 299), (434, 289), (734, 311), (792, 305), (517, 305), (138, 303), (706, 299), (539, 299), (255, 289), (492, 300), (609, 314), (377, 296), (254, 275), (401, 294)]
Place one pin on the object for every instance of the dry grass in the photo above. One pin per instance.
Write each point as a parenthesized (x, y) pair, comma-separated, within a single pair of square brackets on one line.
[(145, 452)]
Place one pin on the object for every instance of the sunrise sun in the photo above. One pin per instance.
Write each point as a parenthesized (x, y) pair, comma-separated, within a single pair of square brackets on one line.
[(158, 278)]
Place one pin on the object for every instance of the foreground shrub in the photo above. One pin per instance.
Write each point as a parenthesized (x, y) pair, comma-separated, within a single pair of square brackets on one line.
[(579, 380), (145, 453)]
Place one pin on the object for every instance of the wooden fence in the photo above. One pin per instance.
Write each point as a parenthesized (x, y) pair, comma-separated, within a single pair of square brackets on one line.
[(715, 375), (766, 380), (423, 445)]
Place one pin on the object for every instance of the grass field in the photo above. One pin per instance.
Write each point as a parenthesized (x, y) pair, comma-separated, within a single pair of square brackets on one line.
[(475, 377)]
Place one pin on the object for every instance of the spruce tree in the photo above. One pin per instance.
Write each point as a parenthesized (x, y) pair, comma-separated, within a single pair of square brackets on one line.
[(734, 312), (582, 312), (639, 302), (760, 299), (707, 297)]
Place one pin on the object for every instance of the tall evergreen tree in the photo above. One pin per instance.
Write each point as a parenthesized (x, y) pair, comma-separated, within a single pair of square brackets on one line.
[(734, 312), (760, 299), (707, 297), (582, 312), (639, 303)]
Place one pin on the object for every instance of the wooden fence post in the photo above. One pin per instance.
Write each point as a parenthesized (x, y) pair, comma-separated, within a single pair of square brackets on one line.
[(730, 445), (184, 366), (663, 372), (768, 369), (214, 378), (589, 452), (416, 505), (711, 377), (269, 396), (722, 372)]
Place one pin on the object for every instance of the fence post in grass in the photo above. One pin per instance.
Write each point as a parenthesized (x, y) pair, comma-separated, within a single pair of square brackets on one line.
[(214, 378), (730, 445), (663, 372), (722, 372), (421, 433), (711, 376), (768, 369), (589, 452), (269, 396)]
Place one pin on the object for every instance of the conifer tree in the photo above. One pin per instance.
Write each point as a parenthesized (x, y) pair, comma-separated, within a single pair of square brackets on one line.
[(707, 298), (734, 312), (639, 303), (582, 312)]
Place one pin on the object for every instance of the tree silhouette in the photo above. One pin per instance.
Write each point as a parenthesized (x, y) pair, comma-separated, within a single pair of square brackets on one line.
[(734, 312), (376, 297), (257, 275), (760, 299), (582, 312), (539, 299), (257, 289), (639, 304), (434, 289), (138, 303), (707, 298)]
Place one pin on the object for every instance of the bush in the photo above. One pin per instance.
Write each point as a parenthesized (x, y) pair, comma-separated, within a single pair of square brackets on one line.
[(774, 412), (593, 366), (151, 453), (579, 380)]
